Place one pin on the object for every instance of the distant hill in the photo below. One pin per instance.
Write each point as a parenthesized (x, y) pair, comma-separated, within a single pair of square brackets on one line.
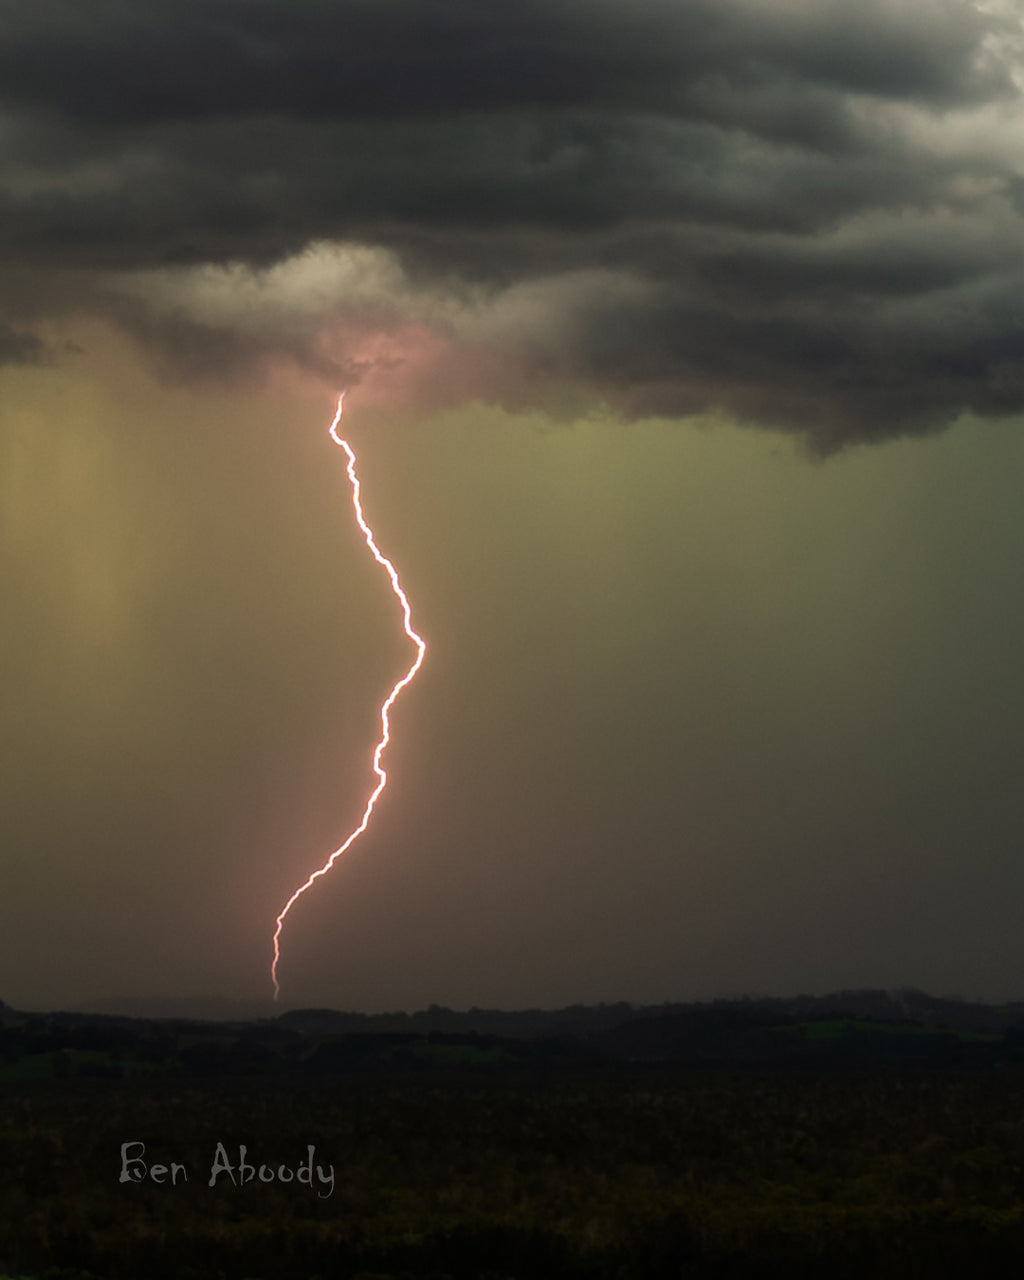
[(870, 1028), (525, 1024), (901, 1005), (208, 1009)]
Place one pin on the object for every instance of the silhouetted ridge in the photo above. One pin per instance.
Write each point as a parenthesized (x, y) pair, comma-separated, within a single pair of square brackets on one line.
[(842, 1029)]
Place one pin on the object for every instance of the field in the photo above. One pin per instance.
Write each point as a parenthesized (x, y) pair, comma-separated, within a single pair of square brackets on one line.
[(453, 1168)]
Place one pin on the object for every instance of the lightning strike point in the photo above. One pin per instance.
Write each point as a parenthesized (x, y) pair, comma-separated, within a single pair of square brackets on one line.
[(385, 724)]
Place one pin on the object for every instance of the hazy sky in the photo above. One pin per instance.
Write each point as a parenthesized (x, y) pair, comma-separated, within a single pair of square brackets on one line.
[(685, 350)]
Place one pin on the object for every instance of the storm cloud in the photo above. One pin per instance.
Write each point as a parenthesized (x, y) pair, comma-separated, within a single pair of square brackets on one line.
[(806, 215)]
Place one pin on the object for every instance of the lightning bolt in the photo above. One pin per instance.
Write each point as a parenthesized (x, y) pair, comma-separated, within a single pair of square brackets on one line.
[(385, 724)]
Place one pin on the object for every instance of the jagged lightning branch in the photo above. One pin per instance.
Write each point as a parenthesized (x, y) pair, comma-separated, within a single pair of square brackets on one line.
[(385, 725)]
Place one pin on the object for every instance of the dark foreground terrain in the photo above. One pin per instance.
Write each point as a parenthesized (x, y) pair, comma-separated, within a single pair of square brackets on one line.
[(690, 1145)]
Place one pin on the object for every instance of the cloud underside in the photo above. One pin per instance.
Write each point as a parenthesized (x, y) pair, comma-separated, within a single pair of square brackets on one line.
[(804, 213)]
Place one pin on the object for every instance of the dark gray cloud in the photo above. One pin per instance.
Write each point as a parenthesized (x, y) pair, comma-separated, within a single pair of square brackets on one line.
[(818, 203), (112, 61), (18, 347)]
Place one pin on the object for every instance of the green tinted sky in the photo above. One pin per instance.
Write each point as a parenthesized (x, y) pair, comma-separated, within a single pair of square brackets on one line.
[(700, 714)]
